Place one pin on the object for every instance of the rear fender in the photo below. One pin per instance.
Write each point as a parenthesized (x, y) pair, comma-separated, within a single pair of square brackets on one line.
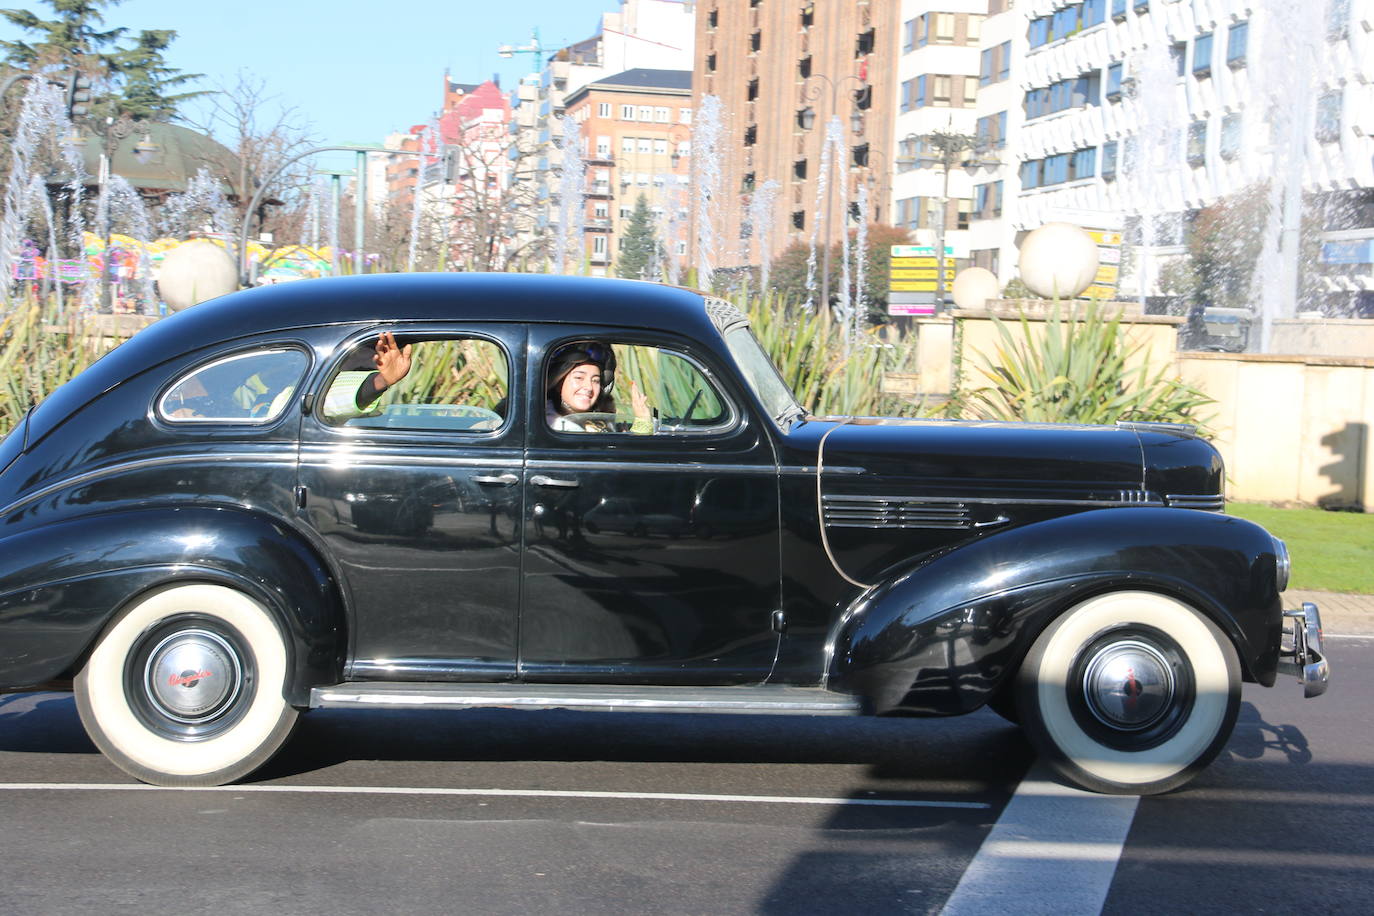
[(62, 584), (940, 638)]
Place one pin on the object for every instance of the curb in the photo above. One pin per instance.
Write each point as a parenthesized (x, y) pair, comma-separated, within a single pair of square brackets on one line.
[(1342, 613)]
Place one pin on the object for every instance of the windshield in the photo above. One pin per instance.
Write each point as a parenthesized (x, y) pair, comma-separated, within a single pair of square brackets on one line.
[(761, 374)]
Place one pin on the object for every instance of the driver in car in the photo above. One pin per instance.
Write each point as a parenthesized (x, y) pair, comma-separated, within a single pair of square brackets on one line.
[(581, 376), (354, 391)]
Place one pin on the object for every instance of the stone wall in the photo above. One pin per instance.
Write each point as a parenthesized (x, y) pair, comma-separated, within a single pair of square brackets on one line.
[(1293, 429)]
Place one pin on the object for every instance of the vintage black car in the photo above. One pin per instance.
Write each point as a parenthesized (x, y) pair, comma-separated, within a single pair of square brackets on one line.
[(212, 530)]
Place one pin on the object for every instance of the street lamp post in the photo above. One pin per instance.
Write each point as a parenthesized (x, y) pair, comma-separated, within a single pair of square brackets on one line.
[(806, 119), (112, 132), (946, 149)]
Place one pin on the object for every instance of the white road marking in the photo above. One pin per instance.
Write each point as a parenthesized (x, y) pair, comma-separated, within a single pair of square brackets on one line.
[(515, 793), (1053, 851), (1326, 636)]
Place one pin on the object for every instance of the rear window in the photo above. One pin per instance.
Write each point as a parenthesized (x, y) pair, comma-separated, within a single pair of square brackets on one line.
[(13, 444)]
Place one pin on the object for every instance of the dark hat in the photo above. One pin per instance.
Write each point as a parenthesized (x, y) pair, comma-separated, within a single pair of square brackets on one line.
[(579, 353)]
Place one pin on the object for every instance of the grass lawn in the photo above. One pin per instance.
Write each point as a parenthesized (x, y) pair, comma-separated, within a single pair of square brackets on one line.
[(1332, 551)]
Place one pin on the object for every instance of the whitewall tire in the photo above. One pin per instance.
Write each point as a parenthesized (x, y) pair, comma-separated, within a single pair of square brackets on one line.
[(1129, 693), (186, 687)]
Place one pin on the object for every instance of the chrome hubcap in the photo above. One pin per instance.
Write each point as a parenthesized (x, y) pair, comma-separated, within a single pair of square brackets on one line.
[(1128, 685), (192, 676)]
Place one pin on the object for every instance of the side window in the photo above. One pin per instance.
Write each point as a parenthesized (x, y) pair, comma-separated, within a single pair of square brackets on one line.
[(596, 386), (254, 387), (451, 383)]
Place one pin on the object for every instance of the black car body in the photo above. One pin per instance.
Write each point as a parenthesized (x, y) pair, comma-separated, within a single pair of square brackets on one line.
[(194, 535)]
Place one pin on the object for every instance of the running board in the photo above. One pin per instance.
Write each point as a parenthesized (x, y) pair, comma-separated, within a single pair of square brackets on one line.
[(803, 701)]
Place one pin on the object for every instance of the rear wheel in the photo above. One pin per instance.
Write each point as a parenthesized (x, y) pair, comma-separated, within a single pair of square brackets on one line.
[(186, 688), (1129, 693)]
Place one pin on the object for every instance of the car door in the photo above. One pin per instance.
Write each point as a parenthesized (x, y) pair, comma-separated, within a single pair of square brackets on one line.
[(418, 499), (639, 566)]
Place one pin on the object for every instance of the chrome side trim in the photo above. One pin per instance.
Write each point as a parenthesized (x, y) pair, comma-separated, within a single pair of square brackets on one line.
[(287, 457), (895, 512), (1205, 503), (592, 464), (745, 700), (341, 459), (1019, 501), (807, 470)]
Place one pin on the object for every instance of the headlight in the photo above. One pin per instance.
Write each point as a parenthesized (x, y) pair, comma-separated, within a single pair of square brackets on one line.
[(1282, 564)]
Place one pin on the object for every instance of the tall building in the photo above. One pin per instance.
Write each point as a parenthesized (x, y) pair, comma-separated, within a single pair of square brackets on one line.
[(641, 35), (636, 139), (1143, 114), (782, 70), (939, 84)]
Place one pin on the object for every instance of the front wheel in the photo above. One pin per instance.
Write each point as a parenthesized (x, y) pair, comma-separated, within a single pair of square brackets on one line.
[(186, 688), (1129, 693)]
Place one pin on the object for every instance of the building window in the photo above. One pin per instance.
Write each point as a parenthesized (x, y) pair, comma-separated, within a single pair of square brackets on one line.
[(987, 200), (941, 94), (1094, 12), (625, 212), (751, 90), (601, 210), (808, 15), (1118, 13), (684, 116), (1003, 61), (1083, 164), (646, 145), (1142, 6), (627, 112), (756, 41), (751, 135), (1039, 32), (909, 34), (1114, 82), (799, 169), (798, 219), (973, 29), (603, 147), (1202, 55), (992, 130), (599, 244), (627, 144), (603, 110), (1179, 52), (646, 113), (804, 67), (1196, 150), (1235, 45), (944, 28), (711, 63), (660, 147), (1109, 161), (661, 115), (1329, 106), (1228, 144), (712, 18), (864, 43), (908, 212), (1030, 174)]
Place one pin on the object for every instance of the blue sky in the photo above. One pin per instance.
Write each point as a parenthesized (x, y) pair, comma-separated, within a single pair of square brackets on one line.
[(356, 69)]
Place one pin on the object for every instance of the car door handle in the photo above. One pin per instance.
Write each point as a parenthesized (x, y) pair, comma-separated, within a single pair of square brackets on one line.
[(539, 480), (992, 523), (504, 480)]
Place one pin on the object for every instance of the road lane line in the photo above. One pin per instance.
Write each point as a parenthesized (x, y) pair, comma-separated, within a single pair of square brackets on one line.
[(1053, 851), (515, 793)]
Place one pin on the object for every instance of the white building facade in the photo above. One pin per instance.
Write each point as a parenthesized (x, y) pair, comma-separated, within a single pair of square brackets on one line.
[(1137, 114)]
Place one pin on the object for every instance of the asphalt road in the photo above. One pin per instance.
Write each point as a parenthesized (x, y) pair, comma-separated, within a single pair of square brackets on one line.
[(536, 812)]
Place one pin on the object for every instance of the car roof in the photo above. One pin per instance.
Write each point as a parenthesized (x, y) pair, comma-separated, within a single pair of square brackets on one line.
[(379, 298)]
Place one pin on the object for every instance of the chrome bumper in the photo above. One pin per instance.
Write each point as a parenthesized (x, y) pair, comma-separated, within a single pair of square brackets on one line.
[(1305, 657)]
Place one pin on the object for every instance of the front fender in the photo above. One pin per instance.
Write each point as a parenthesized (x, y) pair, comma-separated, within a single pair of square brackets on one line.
[(942, 637), (61, 584)]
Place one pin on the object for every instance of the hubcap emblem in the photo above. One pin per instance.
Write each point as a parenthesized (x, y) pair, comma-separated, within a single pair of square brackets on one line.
[(193, 675), (1128, 685)]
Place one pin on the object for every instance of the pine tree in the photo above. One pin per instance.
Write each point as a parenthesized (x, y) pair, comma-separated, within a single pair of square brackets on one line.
[(147, 78), (639, 244), (73, 38)]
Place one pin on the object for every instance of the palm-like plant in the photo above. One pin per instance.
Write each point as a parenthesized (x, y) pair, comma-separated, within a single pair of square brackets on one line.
[(39, 352), (1079, 370)]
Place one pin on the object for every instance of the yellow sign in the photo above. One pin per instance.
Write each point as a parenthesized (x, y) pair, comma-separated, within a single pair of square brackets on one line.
[(930, 274), (1107, 273), (912, 286), (1098, 292), (1103, 237), (921, 262)]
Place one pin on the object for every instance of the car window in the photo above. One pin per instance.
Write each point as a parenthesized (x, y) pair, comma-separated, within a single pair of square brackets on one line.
[(458, 384), (677, 395), (252, 387)]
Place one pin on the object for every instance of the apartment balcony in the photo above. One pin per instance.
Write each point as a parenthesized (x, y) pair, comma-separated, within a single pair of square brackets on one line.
[(602, 260), (598, 224), (600, 190)]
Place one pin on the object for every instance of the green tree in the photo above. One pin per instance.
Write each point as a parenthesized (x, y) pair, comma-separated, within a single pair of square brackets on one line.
[(73, 38), (788, 273), (639, 244), (133, 80)]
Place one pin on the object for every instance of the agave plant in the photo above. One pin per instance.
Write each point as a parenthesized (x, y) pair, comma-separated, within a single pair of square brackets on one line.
[(1080, 370), (39, 352)]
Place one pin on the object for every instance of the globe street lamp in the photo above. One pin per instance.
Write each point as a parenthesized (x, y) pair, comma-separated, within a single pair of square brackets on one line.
[(946, 150)]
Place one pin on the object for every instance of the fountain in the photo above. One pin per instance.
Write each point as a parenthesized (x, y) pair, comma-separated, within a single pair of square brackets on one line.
[(708, 148), (572, 199)]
